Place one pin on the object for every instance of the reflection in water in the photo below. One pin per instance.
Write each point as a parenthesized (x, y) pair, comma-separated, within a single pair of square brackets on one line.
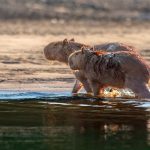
[(82, 124)]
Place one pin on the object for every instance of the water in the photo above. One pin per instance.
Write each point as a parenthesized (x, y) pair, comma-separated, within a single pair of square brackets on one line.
[(59, 121)]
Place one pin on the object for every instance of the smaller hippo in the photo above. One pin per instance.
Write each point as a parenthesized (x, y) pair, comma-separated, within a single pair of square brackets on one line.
[(117, 69)]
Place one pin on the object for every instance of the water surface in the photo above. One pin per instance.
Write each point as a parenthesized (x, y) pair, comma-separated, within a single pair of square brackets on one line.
[(59, 121)]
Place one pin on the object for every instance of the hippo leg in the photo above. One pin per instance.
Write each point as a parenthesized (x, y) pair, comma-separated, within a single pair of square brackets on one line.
[(96, 87), (139, 88), (86, 86), (82, 82), (77, 86)]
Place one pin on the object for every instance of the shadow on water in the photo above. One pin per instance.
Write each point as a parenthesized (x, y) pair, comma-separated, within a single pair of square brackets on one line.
[(59, 121)]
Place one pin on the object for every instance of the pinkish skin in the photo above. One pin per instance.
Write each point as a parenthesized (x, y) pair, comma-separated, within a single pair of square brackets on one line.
[(61, 50)]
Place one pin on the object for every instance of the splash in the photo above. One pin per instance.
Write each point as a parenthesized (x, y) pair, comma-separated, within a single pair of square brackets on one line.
[(113, 93)]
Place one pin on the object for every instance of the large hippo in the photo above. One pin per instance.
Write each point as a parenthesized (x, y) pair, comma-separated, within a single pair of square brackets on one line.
[(60, 51)]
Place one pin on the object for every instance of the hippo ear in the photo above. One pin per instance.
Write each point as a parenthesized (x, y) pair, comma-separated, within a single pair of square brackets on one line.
[(65, 41), (92, 48), (72, 40), (82, 49)]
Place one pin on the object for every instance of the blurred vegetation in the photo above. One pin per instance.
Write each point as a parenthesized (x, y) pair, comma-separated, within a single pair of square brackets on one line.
[(65, 10)]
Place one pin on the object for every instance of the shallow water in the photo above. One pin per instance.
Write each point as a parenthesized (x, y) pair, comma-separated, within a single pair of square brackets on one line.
[(59, 121)]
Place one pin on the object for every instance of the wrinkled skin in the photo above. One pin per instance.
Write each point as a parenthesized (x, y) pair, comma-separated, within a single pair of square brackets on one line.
[(61, 50), (118, 69)]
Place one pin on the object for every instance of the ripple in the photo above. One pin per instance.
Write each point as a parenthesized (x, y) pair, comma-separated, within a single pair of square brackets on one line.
[(17, 95), (66, 99)]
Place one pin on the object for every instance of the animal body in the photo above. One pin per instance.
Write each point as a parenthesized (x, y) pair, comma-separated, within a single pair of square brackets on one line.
[(114, 47), (117, 69), (60, 51)]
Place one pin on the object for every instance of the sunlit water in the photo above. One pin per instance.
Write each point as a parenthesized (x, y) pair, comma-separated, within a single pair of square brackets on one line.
[(59, 121)]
